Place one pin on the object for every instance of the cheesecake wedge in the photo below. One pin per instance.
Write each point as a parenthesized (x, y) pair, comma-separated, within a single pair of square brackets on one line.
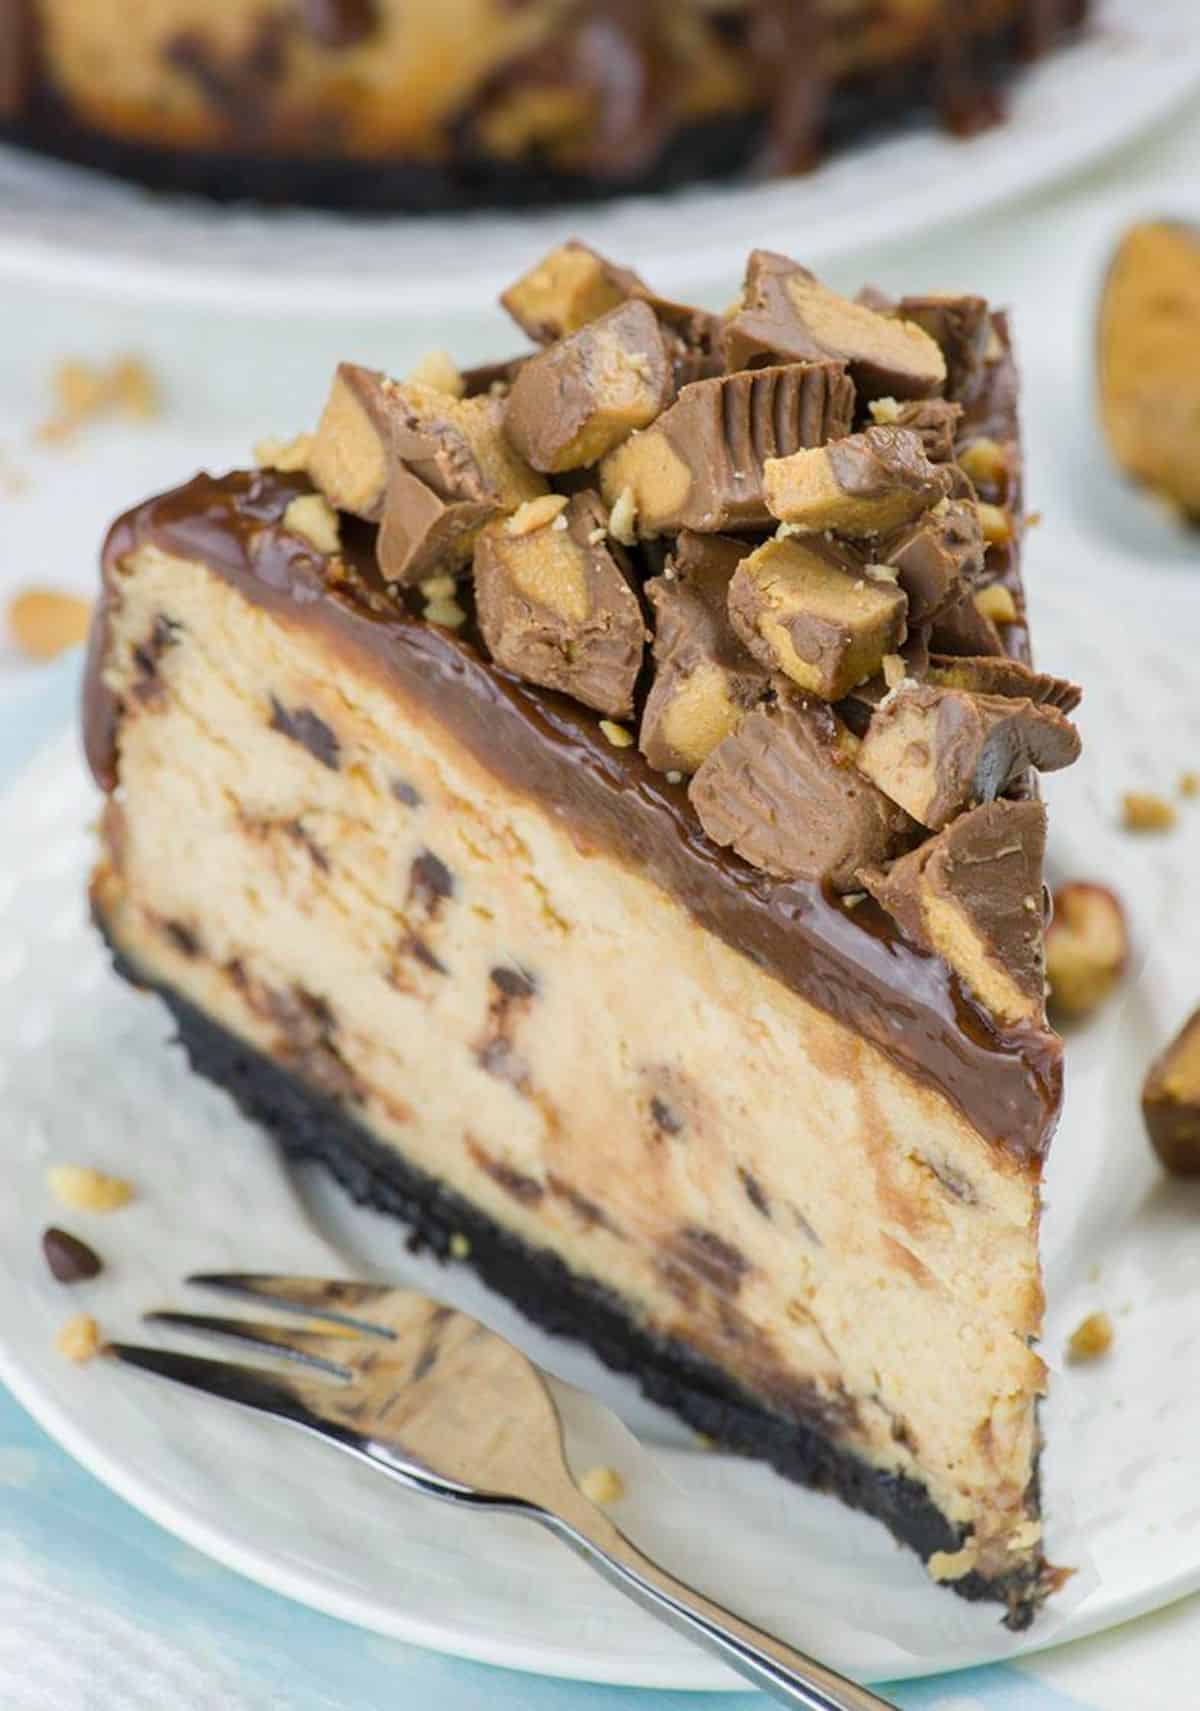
[(590, 804)]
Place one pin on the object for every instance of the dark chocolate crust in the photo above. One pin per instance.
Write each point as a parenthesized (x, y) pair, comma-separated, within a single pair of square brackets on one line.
[(310, 1126), (959, 83)]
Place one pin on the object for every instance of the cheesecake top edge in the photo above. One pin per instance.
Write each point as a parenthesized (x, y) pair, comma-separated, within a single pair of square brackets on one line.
[(735, 597)]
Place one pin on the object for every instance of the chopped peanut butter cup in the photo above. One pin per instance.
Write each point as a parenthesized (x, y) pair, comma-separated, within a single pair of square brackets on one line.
[(787, 315), (1171, 1102), (700, 466), (938, 752), (863, 485), (783, 791), (704, 679), (569, 287), (960, 327), (586, 393), (816, 614), (937, 558), (556, 605), (973, 896)]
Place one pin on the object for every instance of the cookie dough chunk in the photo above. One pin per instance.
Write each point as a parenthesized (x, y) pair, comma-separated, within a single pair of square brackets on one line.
[(938, 752), (566, 289), (973, 896), (936, 556), (1149, 360), (452, 471), (865, 484), (961, 327), (996, 674), (1171, 1102), (556, 604), (935, 419), (783, 791), (704, 679), (700, 466), (787, 315), (812, 612), (588, 392)]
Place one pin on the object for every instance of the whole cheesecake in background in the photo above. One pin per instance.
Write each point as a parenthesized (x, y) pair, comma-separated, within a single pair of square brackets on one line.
[(438, 103), (588, 803)]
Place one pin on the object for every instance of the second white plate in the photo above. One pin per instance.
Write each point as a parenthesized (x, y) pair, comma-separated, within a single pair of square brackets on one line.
[(60, 225)]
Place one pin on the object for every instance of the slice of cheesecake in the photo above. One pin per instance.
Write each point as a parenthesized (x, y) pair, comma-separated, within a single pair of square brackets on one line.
[(627, 870)]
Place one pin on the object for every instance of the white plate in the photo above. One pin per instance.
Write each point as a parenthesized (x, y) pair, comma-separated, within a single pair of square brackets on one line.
[(60, 225), (85, 1075)]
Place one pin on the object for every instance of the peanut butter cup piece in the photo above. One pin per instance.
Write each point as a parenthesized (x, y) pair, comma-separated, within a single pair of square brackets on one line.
[(787, 315), (815, 614), (961, 628), (937, 557), (960, 326), (350, 455), (1171, 1102), (569, 287), (704, 679), (556, 604), (865, 484), (586, 393), (451, 471), (996, 674), (936, 420), (783, 791), (938, 752), (700, 466), (973, 896)]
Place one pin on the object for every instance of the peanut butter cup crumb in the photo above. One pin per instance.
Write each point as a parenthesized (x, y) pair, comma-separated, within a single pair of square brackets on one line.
[(602, 1485), (996, 603), (535, 514), (314, 518), (622, 519), (1142, 811), (79, 1339), (437, 368), (86, 1190), (1090, 1339), (460, 1246), (44, 622), (616, 734), (985, 460), (84, 392), (289, 457), (1189, 784)]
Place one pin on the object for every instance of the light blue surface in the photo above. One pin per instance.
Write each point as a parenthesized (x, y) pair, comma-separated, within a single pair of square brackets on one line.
[(110, 1557)]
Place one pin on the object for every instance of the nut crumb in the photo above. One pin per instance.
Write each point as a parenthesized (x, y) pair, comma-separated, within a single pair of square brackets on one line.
[(996, 524), (84, 392), (882, 572), (984, 460), (287, 456), (535, 513), (85, 1190), (439, 588), (996, 603), (885, 411), (314, 518), (1090, 1339), (852, 899), (602, 1485), (894, 670), (448, 613), (616, 734), (560, 522), (622, 519), (1142, 811), (438, 370), (460, 1246), (597, 536), (674, 777), (702, 1441), (1189, 784), (44, 622), (79, 1339)]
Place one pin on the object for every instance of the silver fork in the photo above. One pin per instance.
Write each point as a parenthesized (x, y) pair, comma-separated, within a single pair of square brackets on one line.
[(448, 1408)]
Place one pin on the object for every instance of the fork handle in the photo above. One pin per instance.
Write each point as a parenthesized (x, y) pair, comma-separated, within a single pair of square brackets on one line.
[(787, 1675)]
